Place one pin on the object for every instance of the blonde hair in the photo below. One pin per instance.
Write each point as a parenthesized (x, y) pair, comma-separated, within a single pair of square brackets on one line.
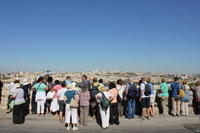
[(184, 82)]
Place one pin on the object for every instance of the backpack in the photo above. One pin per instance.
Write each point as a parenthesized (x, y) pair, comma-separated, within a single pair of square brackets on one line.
[(94, 91), (181, 93), (104, 101), (132, 92), (147, 91)]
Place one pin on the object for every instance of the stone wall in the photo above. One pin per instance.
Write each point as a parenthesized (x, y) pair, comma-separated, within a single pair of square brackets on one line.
[(4, 97)]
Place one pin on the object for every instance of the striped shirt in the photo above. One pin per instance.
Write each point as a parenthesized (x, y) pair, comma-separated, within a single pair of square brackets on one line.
[(84, 98)]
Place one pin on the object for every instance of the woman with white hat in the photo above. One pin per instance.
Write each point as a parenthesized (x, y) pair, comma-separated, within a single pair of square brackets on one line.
[(19, 107), (71, 109)]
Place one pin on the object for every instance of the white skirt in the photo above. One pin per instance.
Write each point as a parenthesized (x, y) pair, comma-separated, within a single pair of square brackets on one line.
[(40, 96), (54, 105)]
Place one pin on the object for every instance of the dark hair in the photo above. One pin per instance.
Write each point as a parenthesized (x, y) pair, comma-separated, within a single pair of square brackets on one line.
[(119, 81), (57, 82), (100, 80), (68, 77), (112, 85), (176, 79), (63, 84), (94, 79), (84, 76), (140, 82), (40, 79), (16, 81), (50, 79)]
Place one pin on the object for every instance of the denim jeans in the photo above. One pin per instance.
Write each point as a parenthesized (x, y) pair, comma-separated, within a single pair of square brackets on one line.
[(131, 108)]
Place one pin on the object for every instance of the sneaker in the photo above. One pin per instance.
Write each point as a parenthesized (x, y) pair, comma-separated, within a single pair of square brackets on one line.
[(75, 128), (68, 128)]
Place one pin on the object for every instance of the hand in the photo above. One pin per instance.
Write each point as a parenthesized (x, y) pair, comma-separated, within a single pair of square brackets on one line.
[(125, 98)]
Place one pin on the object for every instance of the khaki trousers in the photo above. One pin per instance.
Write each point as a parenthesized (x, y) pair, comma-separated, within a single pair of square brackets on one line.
[(164, 102), (176, 105), (84, 110), (184, 108)]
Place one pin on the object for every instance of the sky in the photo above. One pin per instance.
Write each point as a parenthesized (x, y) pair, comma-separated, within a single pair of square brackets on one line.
[(81, 35)]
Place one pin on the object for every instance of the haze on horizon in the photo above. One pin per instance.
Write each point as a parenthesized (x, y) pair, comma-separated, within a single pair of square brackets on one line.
[(141, 36)]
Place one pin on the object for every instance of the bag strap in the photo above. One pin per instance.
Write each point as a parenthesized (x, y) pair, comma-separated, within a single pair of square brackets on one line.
[(38, 86)]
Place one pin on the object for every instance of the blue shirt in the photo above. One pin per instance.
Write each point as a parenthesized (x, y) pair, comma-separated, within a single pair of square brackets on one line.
[(175, 88), (152, 88)]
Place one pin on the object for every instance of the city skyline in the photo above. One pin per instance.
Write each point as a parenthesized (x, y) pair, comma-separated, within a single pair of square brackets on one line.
[(141, 36)]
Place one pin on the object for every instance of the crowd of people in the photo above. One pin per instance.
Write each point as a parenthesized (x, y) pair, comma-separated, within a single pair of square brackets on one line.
[(104, 102)]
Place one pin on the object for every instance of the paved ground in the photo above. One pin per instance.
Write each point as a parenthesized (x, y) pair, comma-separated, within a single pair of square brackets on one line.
[(49, 124)]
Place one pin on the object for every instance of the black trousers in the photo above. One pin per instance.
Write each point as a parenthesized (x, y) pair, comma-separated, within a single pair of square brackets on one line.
[(19, 114), (198, 107), (33, 103), (27, 106), (114, 115)]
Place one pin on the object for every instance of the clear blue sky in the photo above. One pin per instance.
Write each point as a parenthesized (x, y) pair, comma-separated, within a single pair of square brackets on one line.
[(128, 35)]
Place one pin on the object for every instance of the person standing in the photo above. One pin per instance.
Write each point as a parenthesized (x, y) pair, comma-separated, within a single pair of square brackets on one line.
[(33, 102), (54, 104), (185, 100), (40, 97), (71, 110), (152, 97), (26, 87), (145, 98), (131, 95), (104, 111), (176, 100), (93, 104), (1, 87), (84, 106), (164, 96), (19, 107), (121, 87), (114, 115), (50, 86), (12, 89), (61, 102), (196, 91)]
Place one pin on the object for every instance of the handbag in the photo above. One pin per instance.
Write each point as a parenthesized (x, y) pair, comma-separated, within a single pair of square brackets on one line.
[(12, 104), (181, 93), (74, 102)]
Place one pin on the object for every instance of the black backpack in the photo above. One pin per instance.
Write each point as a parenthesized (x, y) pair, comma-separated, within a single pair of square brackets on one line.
[(147, 91), (132, 92)]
